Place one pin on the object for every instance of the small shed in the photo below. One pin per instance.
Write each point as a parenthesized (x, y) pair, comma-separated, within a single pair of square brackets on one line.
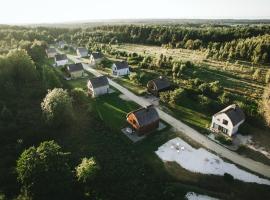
[(228, 120), (61, 59), (82, 52), (158, 85), (98, 86), (120, 68), (75, 70), (144, 120), (95, 58), (51, 52)]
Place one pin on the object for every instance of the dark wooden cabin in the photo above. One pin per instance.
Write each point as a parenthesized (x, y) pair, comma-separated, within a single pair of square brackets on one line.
[(144, 120), (158, 85)]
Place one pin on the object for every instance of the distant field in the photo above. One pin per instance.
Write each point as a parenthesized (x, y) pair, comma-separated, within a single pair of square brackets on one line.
[(234, 77)]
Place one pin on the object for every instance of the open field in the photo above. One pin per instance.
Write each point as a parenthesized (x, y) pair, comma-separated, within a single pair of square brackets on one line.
[(229, 74)]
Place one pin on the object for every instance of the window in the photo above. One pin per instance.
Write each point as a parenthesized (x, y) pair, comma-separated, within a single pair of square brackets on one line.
[(225, 122)]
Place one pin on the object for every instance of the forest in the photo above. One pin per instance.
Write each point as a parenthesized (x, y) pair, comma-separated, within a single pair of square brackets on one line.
[(53, 144)]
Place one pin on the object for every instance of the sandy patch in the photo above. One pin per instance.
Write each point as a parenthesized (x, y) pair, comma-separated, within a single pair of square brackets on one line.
[(202, 161)]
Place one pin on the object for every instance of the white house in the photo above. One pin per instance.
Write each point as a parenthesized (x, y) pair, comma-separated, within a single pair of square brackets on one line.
[(61, 59), (51, 52), (82, 52), (98, 86), (61, 44), (75, 70), (120, 68), (228, 120), (95, 58)]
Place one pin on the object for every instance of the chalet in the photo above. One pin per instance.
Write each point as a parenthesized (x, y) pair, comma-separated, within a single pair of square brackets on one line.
[(143, 120), (51, 52), (120, 68), (82, 52), (61, 44), (95, 58), (61, 59), (98, 86), (228, 120), (158, 85), (75, 70)]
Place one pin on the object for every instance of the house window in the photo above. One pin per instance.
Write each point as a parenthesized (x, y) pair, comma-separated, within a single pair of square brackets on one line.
[(225, 122)]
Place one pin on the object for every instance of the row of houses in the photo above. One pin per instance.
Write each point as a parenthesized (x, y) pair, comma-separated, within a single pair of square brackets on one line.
[(227, 121)]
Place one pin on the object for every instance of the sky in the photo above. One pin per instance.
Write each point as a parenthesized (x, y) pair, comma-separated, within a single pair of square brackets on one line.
[(52, 11)]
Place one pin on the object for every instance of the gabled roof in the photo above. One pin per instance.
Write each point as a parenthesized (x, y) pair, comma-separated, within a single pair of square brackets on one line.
[(121, 65), (99, 81), (161, 83), (59, 57), (234, 113), (51, 50), (61, 42), (145, 115), (75, 67), (97, 55), (82, 50)]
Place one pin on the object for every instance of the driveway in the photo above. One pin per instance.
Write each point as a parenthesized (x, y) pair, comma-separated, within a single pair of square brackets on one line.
[(248, 163)]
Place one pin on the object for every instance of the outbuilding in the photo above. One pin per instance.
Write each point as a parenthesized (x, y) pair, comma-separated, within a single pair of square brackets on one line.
[(61, 59), (95, 58), (98, 86), (228, 120), (120, 68), (82, 52), (144, 120), (75, 70), (158, 85)]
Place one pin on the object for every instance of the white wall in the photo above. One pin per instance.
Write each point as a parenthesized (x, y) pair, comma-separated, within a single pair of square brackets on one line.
[(61, 62)]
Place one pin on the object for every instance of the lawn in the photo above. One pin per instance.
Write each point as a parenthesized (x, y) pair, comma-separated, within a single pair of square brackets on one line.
[(112, 110)]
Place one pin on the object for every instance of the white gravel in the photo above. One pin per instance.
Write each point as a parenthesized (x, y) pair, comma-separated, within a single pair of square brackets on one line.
[(202, 161)]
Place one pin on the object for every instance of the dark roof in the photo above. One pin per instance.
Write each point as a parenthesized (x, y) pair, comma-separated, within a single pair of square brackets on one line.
[(146, 115), (51, 50), (75, 67), (61, 57), (161, 83), (82, 50), (97, 55), (235, 113), (99, 81), (121, 65)]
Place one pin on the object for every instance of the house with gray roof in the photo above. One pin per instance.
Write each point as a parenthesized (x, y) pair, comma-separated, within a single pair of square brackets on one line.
[(61, 59), (98, 86), (144, 120), (158, 85), (75, 70), (228, 120), (82, 52), (61, 44), (95, 58), (120, 68), (51, 52)]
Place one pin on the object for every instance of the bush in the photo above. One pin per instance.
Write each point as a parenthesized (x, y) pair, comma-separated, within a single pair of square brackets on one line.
[(223, 140), (57, 107), (87, 170), (79, 96)]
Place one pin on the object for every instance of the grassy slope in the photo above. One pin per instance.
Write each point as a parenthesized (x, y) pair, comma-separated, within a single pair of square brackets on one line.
[(230, 76), (133, 171)]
